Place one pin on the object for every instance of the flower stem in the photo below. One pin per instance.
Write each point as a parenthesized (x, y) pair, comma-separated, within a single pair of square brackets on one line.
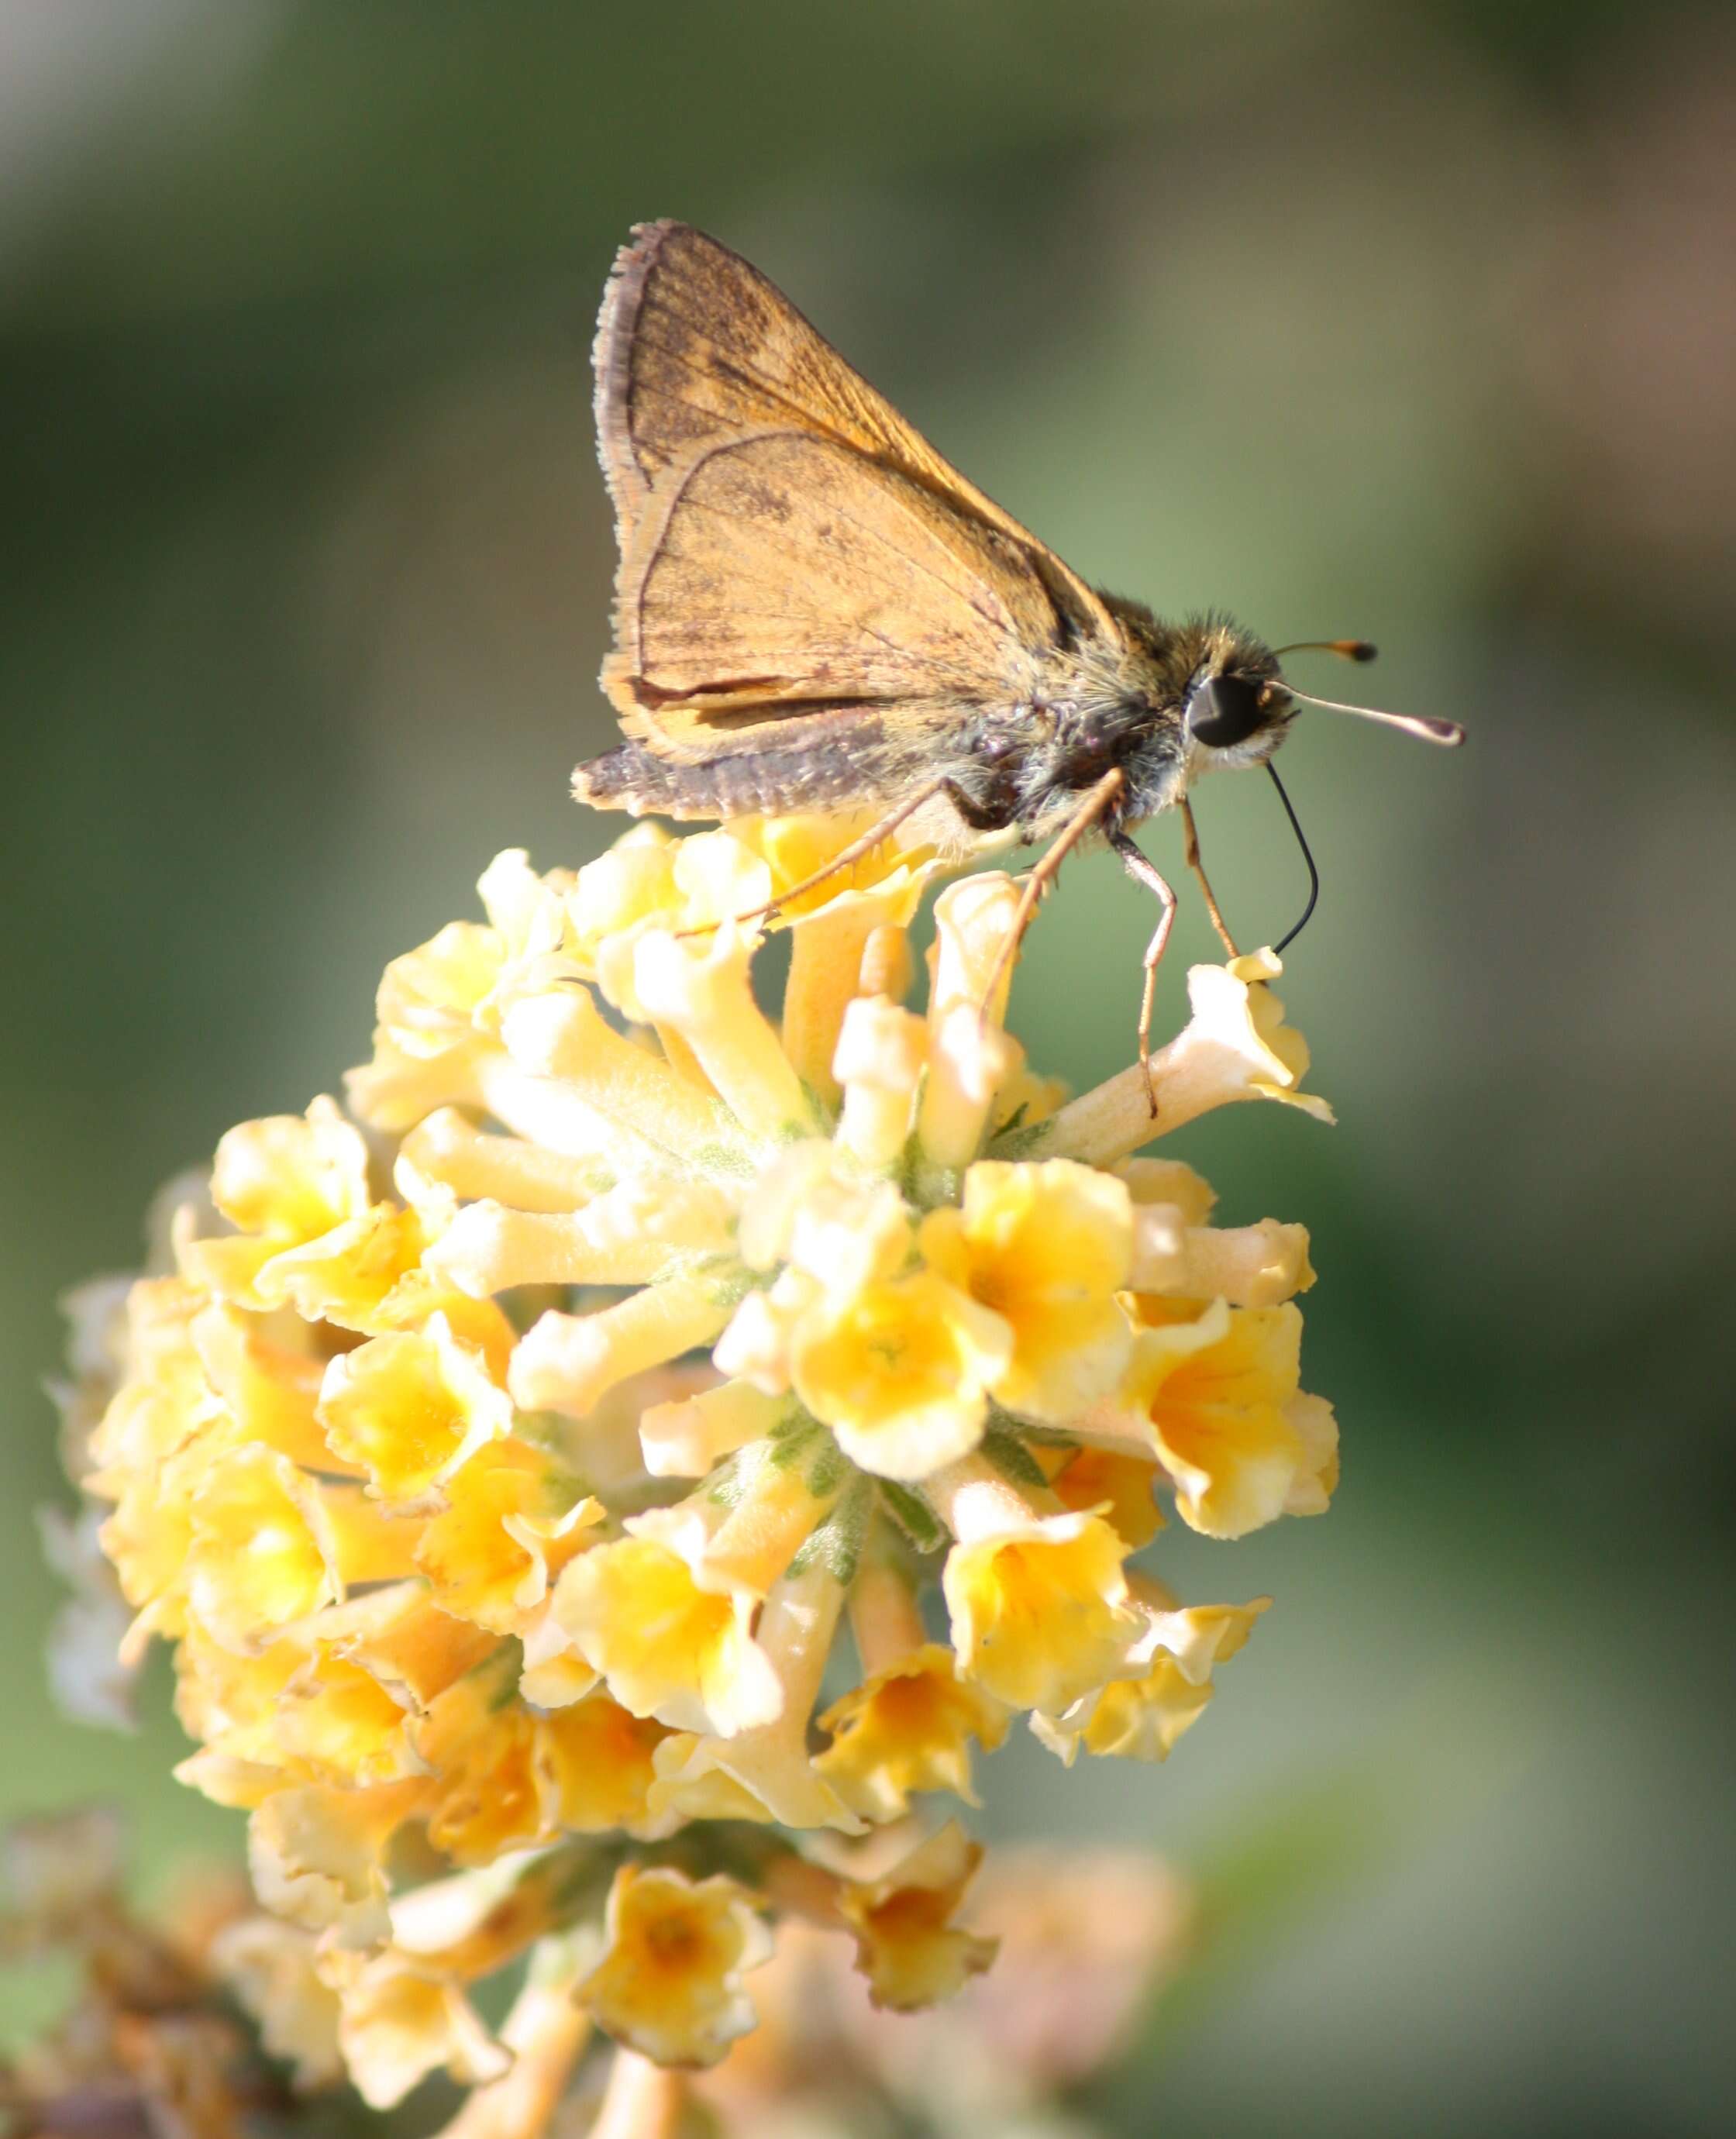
[(641, 2100)]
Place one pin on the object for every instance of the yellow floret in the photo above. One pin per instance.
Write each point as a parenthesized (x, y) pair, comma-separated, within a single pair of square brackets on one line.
[(906, 1729), (907, 1943), (902, 1372), (669, 1982), (1046, 1247), (666, 1647), (1221, 1389)]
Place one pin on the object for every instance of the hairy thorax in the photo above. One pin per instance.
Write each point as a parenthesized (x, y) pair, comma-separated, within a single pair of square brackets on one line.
[(1017, 770)]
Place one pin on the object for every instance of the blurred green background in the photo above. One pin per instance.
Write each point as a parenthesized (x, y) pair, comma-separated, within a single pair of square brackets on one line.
[(1417, 321)]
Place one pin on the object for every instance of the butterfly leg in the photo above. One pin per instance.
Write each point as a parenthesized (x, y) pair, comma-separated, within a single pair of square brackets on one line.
[(845, 857), (1096, 800), (1198, 867), (1143, 872)]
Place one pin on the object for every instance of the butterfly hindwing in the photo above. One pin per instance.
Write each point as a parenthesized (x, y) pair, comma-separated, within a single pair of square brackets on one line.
[(781, 572)]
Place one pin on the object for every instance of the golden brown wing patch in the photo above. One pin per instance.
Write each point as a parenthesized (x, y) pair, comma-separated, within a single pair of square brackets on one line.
[(781, 569)]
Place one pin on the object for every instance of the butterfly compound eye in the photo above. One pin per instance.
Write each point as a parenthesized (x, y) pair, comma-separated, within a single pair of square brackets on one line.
[(1225, 710)]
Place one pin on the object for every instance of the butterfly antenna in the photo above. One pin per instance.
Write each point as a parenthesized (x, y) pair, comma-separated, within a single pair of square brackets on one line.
[(1308, 911), (1347, 649)]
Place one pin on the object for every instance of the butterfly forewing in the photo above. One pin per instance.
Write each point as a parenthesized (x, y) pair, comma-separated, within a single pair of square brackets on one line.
[(785, 536)]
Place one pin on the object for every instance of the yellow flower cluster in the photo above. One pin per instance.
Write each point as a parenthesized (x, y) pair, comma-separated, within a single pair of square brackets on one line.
[(503, 1456)]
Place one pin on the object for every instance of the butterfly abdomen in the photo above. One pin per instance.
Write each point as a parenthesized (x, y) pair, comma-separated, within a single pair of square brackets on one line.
[(740, 784)]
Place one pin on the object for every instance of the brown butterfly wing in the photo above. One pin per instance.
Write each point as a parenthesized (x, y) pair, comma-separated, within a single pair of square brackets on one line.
[(783, 574), (740, 599)]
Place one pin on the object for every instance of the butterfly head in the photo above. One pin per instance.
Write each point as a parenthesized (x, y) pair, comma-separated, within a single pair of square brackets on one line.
[(1235, 705)]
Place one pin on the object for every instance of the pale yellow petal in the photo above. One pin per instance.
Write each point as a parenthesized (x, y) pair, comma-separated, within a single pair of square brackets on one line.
[(567, 1362), (701, 987), (1236, 1046), (669, 1982), (901, 1372), (633, 1234), (907, 1944), (666, 1647)]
